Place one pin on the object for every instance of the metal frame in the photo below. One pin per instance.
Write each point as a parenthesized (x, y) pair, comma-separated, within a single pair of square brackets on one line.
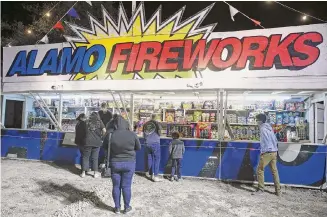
[(47, 113)]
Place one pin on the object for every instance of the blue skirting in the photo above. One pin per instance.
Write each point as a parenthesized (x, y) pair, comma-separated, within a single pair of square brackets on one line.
[(298, 164)]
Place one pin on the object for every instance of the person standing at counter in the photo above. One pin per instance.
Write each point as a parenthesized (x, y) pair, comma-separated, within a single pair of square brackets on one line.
[(93, 142), (151, 132), (105, 114), (176, 151), (80, 133), (268, 155), (123, 145)]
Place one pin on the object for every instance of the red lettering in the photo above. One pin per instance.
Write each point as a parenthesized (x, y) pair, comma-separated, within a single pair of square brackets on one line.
[(281, 49), (132, 58), (167, 54), (145, 56), (311, 52), (234, 47), (257, 53), (198, 53), (117, 56)]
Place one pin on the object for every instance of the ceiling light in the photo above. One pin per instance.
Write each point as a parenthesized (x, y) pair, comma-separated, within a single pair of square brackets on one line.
[(304, 17)]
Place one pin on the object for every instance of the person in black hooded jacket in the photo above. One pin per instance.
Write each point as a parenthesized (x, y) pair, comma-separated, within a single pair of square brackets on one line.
[(80, 133), (123, 146), (93, 142)]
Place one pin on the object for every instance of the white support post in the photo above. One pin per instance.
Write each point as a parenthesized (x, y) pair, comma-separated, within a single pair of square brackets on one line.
[(124, 107), (60, 110), (218, 116), (131, 111), (221, 114), (225, 114)]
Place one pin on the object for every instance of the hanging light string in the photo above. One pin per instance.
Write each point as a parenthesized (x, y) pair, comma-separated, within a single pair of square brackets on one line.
[(58, 21), (245, 15), (292, 9), (48, 12)]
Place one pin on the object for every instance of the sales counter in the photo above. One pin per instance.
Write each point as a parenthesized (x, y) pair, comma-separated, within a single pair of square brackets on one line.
[(299, 164)]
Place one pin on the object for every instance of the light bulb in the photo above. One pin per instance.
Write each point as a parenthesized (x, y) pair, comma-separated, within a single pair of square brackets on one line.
[(48, 14), (304, 17), (29, 31)]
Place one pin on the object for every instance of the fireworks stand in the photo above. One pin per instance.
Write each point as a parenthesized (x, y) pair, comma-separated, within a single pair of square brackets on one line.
[(212, 102)]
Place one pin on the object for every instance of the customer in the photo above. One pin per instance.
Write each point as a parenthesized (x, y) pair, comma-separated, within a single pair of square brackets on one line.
[(105, 114), (151, 131), (268, 146), (80, 134), (176, 152), (123, 145), (109, 129), (94, 133)]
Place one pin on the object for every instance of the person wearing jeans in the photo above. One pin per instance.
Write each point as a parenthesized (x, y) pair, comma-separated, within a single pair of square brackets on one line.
[(176, 152), (268, 148), (94, 132), (123, 146), (151, 131)]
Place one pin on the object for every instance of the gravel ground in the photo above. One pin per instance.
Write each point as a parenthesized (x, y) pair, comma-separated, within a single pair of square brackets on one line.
[(31, 188)]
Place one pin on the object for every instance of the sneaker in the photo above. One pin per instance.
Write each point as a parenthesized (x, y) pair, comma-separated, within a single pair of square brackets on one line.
[(117, 211), (178, 179), (171, 179), (156, 179), (83, 174), (126, 210), (102, 166), (96, 175), (147, 175), (258, 192)]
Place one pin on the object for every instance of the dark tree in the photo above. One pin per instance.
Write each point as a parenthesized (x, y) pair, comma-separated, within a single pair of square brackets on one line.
[(14, 33)]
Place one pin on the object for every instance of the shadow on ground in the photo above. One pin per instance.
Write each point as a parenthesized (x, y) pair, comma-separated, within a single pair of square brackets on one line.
[(70, 194), (64, 166)]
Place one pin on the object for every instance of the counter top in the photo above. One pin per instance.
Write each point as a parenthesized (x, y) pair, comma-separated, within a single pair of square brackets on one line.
[(240, 141)]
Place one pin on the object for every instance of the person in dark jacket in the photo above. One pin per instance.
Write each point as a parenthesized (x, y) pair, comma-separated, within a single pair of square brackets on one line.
[(105, 114), (93, 142), (110, 127), (176, 152), (151, 132), (123, 145), (80, 133)]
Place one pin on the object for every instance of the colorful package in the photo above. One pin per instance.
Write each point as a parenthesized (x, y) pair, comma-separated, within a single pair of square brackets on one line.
[(286, 117), (279, 118)]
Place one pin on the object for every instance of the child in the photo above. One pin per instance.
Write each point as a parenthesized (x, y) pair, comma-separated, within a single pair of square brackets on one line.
[(176, 151)]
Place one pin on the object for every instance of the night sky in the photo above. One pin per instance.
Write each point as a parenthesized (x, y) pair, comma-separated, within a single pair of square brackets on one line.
[(269, 14)]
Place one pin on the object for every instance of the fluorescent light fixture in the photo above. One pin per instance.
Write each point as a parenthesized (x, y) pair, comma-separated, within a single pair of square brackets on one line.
[(277, 92)]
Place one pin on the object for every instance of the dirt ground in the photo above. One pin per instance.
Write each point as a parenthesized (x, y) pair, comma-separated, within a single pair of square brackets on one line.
[(32, 188)]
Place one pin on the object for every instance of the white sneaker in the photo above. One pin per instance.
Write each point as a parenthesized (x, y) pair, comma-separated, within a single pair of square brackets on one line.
[(96, 175), (102, 166), (156, 179), (83, 174), (147, 175)]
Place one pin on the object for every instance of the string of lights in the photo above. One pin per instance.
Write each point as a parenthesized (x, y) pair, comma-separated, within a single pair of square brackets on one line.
[(304, 14), (47, 14), (59, 20)]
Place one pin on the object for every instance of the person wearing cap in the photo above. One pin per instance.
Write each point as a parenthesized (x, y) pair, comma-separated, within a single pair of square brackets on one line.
[(105, 114), (268, 155)]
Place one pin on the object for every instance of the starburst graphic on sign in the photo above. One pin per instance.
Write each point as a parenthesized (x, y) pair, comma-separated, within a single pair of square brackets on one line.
[(137, 30)]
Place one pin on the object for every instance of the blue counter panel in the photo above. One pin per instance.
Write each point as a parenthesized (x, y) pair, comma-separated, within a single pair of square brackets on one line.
[(298, 164)]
